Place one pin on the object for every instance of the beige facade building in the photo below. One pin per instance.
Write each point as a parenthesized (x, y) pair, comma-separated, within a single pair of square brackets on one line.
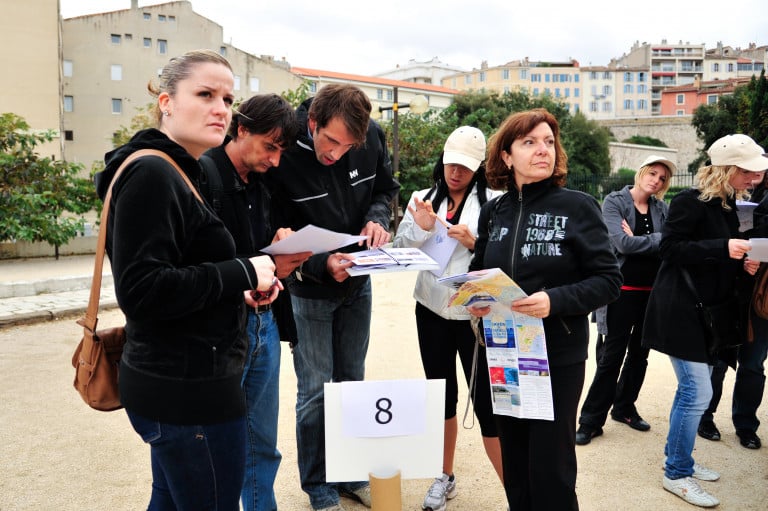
[(380, 90), (108, 59), (560, 80), (611, 93), (30, 78)]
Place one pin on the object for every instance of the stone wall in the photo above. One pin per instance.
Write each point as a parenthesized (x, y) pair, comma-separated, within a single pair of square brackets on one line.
[(675, 131)]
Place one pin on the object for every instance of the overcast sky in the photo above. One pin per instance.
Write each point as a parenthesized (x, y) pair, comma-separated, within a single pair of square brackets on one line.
[(364, 37)]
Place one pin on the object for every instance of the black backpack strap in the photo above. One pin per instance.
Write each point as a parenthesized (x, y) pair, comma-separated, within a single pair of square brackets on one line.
[(210, 183)]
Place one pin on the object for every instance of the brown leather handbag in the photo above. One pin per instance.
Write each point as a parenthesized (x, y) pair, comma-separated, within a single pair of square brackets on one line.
[(97, 357)]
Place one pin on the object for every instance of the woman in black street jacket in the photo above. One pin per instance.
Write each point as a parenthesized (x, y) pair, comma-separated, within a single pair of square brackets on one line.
[(552, 241)]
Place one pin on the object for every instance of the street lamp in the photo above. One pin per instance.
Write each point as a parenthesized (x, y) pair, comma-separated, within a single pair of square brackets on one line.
[(418, 105)]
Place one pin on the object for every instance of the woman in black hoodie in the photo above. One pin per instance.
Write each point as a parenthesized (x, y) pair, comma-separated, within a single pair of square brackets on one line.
[(552, 241), (182, 291)]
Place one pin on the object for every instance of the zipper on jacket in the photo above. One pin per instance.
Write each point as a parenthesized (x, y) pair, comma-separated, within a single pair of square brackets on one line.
[(517, 232)]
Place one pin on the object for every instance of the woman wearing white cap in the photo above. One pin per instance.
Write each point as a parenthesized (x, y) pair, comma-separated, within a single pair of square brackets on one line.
[(701, 235), (634, 216), (454, 201)]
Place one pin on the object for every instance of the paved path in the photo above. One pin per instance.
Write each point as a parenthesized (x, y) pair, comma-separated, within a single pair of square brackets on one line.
[(45, 288)]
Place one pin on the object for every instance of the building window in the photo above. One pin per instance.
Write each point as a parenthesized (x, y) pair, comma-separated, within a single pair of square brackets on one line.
[(576, 78), (627, 104), (482, 76), (254, 84), (313, 87), (147, 16), (576, 91), (223, 51), (115, 38), (467, 79), (607, 106), (680, 99), (567, 92), (711, 99), (627, 77), (536, 77), (715, 67), (642, 104), (593, 106), (505, 74), (641, 77), (67, 68), (172, 19), (69, 103), (162, 46), (627, 89), (642, 89), (557, 92), (147, 42), (679, 112), (606, 90), (547, 78), (730, 67), (117, 106), (116, 72), (237, 83), (379, 93), (69, 135), (390, 95), (535, 91), (606, 75), (523, 74), (161, 18)]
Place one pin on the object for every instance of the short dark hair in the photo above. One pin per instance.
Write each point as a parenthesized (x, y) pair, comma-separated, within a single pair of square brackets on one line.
[(266, 113), (345, 101)]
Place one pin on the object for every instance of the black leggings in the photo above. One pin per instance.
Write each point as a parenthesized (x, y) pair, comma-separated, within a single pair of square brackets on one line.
[(440, 340)]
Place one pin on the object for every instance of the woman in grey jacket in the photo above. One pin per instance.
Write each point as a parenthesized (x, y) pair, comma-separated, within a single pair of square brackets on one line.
[(634, 216)]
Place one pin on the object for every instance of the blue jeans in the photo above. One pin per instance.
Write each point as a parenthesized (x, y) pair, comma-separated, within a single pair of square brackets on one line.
[(333, 341), (261, 380), (194, 467), (694, 390), (750, 380)]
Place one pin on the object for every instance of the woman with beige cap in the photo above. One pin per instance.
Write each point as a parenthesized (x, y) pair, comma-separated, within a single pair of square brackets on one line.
[(634, 217), (454, 202), (701, 235)]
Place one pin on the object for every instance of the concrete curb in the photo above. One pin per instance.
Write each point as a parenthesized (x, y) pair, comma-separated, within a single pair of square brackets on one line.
[(52, 285)]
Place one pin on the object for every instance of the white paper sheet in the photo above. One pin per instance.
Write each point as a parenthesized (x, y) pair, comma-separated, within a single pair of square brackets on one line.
[(311, 239), (759, 250)]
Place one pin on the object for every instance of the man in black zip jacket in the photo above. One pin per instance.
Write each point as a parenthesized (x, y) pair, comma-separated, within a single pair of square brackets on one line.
[(232, 182), (337, 177)]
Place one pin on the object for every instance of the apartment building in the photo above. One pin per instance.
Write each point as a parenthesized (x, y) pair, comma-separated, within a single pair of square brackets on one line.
[(615, 92), (560, 80), (683, 99), (109, 58), (30, 78), (670, 65), (431, 71), (380, 90)]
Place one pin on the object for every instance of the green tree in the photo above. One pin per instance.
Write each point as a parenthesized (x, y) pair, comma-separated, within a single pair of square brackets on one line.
[(643, 140), (297, 96), (41, 199), (143, 119), (744, 111)]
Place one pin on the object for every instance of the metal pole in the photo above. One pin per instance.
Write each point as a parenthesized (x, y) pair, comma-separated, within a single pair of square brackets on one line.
[(396, 154)]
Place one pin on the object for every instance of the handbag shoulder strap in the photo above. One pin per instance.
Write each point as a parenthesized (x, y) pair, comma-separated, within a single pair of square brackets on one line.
[(689, 282), (90, 320)]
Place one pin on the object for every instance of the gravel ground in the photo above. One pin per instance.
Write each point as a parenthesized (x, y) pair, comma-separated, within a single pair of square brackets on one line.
[(57, 454)]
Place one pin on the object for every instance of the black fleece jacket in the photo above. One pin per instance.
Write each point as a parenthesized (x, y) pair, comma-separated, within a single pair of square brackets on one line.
[(552, 239), (180, 287), (342, 197)]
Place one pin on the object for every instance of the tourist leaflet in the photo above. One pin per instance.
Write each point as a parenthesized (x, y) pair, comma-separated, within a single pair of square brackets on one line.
[(516, 348)]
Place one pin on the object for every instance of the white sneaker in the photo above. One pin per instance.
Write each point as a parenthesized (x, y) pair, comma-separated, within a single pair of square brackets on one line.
[(700, 472), (689, 490), (442, 488), (704, 473)]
